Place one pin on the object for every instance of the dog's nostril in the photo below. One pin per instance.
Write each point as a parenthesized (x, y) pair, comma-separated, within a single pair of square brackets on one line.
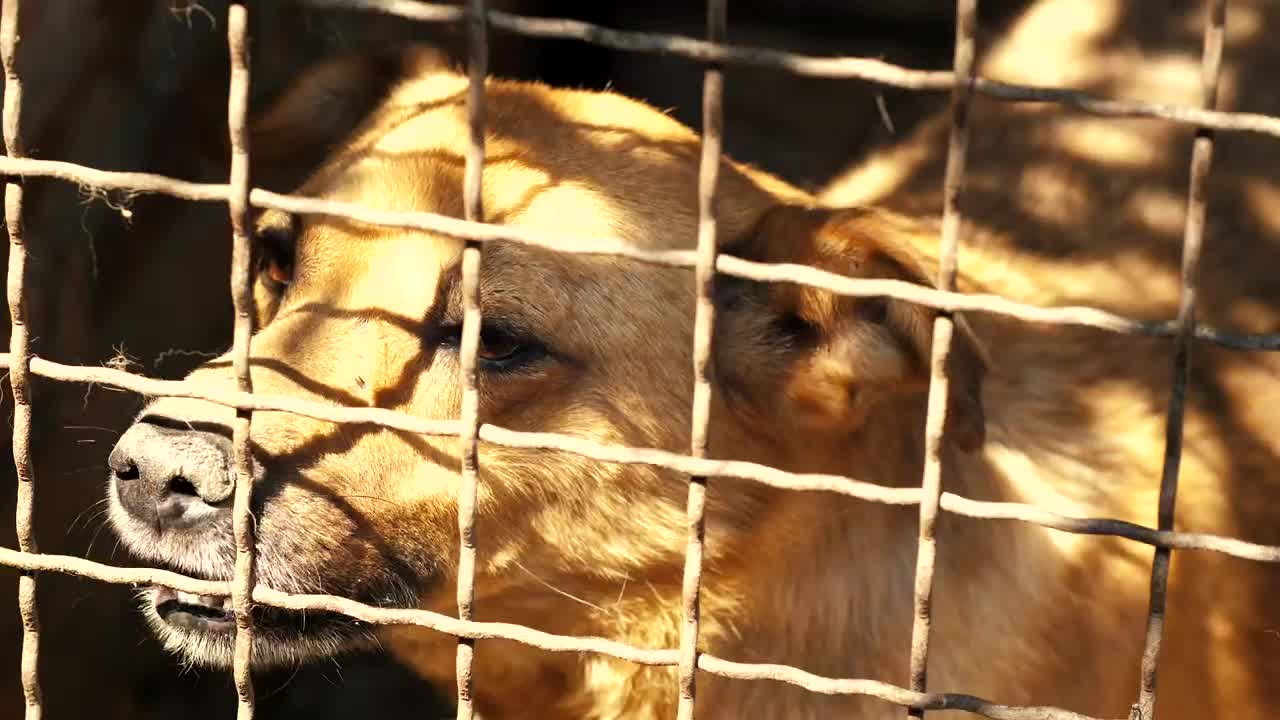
[(175, 479), (182, 486), (181, 507)]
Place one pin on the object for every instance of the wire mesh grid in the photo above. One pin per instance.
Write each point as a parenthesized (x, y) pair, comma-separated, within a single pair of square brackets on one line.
[(706, 263)]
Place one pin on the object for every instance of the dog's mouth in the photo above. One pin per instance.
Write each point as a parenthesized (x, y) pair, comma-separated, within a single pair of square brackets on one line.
[(202, 628), (199, 613)]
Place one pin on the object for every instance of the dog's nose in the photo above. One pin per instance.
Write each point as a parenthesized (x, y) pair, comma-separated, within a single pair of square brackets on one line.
[(170, 477)]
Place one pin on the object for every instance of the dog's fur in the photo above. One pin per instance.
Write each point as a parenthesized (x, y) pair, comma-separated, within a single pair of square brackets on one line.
[(1066, 418)]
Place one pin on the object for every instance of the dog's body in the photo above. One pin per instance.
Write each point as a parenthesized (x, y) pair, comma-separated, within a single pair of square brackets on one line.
[(1065, 418)]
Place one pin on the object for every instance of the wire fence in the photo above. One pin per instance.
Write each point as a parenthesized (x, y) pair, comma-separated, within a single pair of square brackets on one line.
[(707, 264)]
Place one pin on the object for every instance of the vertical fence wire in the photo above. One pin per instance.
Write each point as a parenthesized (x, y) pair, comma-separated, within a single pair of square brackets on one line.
[(1192, 241), (703, 330), (242, 297), (20, 359), (943, 329), (477, 69)]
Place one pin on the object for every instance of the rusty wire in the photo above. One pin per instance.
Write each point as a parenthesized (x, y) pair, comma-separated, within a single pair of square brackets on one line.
[(706, 263), (448, 625), (137, 183), (477, 70), (242, 298), (853, 68), (703, 334), (1192, 242), (939, 371), (675, 462), (19, 369)]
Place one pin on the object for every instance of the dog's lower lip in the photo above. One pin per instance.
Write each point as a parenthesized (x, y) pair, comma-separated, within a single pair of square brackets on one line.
[(209, 613)]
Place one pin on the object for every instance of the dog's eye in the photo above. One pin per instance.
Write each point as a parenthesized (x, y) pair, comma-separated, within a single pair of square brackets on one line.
[(497, 346), (500, 350), (278, 271), (273, 247), (275, 265)]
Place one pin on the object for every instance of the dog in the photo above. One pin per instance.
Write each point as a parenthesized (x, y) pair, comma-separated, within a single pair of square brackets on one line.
[(599, 347)]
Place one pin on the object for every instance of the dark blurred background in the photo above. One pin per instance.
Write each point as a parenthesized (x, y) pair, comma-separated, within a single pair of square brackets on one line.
[(142, 282)]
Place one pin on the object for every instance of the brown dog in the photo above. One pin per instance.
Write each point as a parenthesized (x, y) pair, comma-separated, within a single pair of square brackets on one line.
[(599, 347)]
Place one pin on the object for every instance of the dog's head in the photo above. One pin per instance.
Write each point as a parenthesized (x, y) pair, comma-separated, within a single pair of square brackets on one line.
[(591, 346)]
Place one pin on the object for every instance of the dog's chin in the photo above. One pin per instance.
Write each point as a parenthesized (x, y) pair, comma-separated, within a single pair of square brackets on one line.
[(201, 629)]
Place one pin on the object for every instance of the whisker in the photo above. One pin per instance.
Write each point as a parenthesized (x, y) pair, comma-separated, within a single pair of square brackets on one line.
[(555, 589), (296, 667), (113, 431), (388, 501), (621, 592), (71, 527), (101, 526)]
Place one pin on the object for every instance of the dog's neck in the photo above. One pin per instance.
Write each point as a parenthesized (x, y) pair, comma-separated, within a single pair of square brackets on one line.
[(831, 578)]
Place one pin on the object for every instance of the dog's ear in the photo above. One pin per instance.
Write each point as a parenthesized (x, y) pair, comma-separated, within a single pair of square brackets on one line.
[(323, 107), (823, 360)]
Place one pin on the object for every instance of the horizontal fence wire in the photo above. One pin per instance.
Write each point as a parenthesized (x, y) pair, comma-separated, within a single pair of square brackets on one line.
[(132, 184), (852, 68), (675, 462), (449, 625), (239, 196)]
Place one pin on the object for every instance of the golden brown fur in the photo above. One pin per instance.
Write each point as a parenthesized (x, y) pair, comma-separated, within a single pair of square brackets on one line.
[(1063, 209), (1066, 418)]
